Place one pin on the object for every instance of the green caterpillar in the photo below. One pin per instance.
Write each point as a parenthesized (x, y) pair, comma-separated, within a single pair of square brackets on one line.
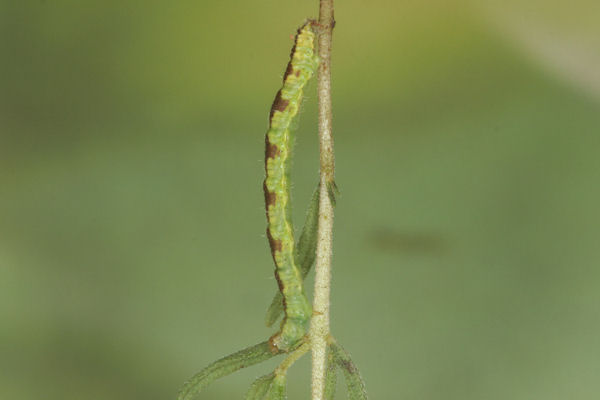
[(278, 141)]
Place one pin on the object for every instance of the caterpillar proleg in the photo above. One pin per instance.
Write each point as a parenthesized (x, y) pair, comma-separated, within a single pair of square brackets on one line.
[(278, 141)]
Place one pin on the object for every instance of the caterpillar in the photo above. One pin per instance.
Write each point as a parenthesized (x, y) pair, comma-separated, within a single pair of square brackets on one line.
[(280, 233)]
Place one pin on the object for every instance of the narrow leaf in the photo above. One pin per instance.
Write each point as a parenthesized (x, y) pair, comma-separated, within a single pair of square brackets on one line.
[(331, 375), (259, 388), (333, 192), (354, 382), (306, 248), (277, 390), (275, 309), (225, 366)]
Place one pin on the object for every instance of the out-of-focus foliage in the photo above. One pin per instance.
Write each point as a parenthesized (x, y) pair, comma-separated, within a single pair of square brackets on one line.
[(132, 248)]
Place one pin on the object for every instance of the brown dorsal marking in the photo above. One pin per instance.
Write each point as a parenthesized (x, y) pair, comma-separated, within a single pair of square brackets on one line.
[(270, 197), (275, 245), (271, 150), (288, 71), (279, 104)]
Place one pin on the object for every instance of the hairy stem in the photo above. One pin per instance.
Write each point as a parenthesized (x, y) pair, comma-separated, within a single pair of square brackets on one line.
[(319, 330)]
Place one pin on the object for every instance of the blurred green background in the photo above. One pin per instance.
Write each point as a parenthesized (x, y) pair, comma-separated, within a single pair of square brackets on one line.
[(132, 248)]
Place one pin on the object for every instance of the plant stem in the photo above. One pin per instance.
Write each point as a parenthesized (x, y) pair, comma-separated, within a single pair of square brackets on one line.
[(319, 330), (291, 359)]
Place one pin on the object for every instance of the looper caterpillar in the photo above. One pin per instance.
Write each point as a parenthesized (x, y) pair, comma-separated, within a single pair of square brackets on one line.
[(278, 141)]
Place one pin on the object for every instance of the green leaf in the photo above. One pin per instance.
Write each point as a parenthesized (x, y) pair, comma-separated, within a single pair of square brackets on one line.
[(306, 248), (331, 375), (225, 366), (333, 192), (277, 390), (260, 387), (354, 382), (275, 309)]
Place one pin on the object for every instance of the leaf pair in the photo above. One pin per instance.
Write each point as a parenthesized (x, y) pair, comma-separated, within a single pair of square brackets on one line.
[(273, 385)]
